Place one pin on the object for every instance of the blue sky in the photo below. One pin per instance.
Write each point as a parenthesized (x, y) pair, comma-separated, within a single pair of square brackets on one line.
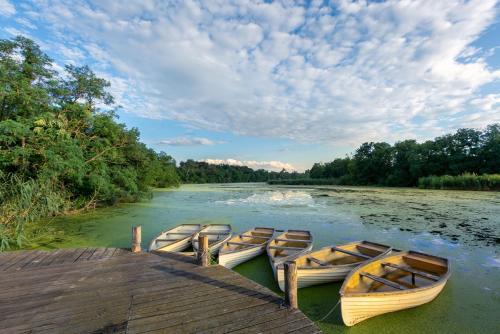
[(278, 84)]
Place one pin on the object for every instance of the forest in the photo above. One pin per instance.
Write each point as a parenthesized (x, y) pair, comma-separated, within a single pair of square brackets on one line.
[(191, 171), (463, 156), (62, 149)]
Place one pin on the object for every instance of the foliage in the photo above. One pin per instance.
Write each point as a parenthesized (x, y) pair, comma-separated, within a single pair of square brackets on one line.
[(191, 171), (461, 182), (60, 150), (403, 164)]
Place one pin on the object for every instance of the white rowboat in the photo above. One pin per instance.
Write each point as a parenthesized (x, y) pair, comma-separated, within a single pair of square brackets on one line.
[(331, 263), (391, 283), (176, 239), (287, 246), (245, 246), (217, 234)]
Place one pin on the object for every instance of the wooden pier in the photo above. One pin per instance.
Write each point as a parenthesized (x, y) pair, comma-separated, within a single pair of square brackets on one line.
[(110, 290)]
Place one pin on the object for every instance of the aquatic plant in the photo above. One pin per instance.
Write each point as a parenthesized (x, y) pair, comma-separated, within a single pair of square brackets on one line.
[(466, 181)]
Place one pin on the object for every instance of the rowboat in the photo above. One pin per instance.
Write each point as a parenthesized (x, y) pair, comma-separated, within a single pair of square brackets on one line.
[(287, 246), (391, 283), (175, 239), (245, 246), (217, 234), (331, 263)]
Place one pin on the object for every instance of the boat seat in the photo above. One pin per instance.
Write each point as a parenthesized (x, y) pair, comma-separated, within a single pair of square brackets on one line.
[(413, 271), (183, 233), (383, 281), (286, 248), (254, 236), (318, 261), (242, 243), (163, 240), (213, 233), (293, 240), (351, 253)]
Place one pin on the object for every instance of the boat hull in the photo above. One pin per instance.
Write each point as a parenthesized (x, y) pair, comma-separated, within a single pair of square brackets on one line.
[(178, 246), (232, 259), (358, 308), (309, 277)]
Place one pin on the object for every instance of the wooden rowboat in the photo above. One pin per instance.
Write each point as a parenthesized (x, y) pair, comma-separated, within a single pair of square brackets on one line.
[(395, 282), (287, 246), (176, 239), (331, 263), (217, 234), (245, 246)]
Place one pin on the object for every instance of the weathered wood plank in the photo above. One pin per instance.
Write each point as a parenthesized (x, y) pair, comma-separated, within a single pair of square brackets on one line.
[(104, 290)]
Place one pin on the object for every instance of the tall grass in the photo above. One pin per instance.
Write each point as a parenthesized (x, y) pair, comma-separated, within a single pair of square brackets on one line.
[(461, 182), (22, 202)]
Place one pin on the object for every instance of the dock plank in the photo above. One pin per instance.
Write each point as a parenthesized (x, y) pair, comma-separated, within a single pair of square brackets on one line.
[(108, 290)]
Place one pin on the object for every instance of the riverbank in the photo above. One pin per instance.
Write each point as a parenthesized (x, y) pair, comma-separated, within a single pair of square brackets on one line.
[(459, 225), (486, 182)]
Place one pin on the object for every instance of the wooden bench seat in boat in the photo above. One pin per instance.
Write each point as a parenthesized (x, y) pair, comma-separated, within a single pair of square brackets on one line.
[(318, 261), (243, 243), (254, 236), (214, 233), (383, 281), (413, 271), (293, 240), (286, 248), (351, 253)]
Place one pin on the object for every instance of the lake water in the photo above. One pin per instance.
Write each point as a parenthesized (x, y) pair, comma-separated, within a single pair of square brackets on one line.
[(462, 226)]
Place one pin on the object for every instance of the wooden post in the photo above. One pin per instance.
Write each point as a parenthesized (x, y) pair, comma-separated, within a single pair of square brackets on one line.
[(203, 253), (136, 239), (291, 285)]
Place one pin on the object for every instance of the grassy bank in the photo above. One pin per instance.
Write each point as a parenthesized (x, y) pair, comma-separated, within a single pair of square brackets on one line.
[(461, 182)]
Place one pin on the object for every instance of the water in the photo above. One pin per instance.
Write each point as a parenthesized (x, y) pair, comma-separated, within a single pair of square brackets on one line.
[(463, 226)]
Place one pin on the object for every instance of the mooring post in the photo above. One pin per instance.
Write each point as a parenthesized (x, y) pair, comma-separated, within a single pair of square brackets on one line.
[(136, 239), (291, 285), (203, 253)]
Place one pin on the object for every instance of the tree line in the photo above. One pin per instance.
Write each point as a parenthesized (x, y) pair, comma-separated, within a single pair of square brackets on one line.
[(191, 171), (61, 147), (467, 151)]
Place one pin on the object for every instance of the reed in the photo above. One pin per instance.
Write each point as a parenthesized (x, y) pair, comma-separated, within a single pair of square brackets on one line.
[(465, 181)]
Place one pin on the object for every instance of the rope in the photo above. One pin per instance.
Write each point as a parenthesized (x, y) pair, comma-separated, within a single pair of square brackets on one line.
[(329, 312)]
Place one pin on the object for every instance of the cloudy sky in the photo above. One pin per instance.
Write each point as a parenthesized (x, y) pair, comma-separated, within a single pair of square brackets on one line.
[(279, 84)]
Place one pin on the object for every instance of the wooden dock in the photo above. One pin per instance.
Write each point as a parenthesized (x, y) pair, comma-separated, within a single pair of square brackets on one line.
[(110, 290)]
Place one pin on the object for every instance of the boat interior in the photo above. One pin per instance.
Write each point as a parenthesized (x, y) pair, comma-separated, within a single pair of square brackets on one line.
[(347, 254), (175, 234), (215, 233), (251, 238), (401, 271), (290, 242)]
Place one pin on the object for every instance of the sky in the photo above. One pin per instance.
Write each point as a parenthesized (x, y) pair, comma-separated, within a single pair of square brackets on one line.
[(278, 84)]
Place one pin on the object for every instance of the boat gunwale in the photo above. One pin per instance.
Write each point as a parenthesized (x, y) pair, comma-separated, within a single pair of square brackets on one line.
[(443, 279), (179, 240)]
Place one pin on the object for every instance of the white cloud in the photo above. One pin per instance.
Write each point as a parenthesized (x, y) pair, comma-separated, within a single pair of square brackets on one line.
[(341, 73), (189, 141), (7, 8), (271, 165)]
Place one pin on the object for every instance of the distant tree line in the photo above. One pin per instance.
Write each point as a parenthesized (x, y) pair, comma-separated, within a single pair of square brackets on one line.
[(192, 171), (59, 152), (404, 163)]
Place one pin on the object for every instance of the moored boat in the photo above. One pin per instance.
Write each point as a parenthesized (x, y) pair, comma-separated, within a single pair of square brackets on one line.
[(245, 246), (175, 239), (217, 235), (391, 283), (331, 263), (287, 246)]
